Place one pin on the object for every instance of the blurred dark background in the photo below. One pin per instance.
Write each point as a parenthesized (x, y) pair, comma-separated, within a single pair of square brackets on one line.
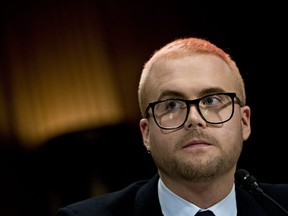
[(69, 74)]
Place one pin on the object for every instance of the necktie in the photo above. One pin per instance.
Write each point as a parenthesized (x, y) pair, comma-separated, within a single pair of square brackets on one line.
[(205, 213)]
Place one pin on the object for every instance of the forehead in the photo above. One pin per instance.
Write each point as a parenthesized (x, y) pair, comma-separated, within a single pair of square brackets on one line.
[(191, 75)]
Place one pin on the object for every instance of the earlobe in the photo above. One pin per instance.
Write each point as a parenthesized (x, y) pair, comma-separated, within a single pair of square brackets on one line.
[(246, 125)]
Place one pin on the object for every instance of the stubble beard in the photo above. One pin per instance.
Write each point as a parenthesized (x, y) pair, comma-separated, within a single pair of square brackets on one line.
[(199, 169)]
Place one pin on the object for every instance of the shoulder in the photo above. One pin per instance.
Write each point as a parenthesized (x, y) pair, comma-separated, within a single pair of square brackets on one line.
[(263, 204), (273, 187), (120, 202), (276, 191)]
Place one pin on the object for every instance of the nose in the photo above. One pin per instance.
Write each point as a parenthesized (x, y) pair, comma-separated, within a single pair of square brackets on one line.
[(194, 119)]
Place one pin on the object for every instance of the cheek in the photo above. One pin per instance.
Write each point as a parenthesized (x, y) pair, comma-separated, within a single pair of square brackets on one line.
[(231, 130), (161, 141)]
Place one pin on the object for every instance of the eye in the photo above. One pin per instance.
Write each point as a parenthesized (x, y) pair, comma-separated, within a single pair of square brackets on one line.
[(212, 100), (171, 104)]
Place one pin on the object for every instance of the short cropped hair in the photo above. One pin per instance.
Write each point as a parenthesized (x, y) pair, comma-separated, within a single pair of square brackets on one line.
[(181, 48)]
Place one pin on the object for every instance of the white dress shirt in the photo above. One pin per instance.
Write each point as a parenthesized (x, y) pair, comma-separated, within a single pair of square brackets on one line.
[(171, 204)]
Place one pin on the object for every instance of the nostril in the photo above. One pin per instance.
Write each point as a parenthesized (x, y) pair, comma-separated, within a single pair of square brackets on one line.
[(193, 126)]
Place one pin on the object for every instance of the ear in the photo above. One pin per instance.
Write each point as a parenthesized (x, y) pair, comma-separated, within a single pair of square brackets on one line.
[(144, 127), (246, 125)]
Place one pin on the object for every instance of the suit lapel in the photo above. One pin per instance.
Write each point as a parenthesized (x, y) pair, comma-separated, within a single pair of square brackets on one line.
[(146, 201)]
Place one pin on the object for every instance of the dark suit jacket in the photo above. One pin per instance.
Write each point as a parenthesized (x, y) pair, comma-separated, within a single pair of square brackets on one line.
[(141, 199)]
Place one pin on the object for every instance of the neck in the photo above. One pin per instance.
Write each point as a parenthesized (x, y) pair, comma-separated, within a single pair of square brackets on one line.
[(202, 194)]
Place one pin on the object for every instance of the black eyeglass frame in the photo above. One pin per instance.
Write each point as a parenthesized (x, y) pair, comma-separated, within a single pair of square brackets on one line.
[(195, 102)]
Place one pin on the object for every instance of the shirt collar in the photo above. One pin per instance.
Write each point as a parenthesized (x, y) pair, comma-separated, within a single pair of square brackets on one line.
[(171, 204)]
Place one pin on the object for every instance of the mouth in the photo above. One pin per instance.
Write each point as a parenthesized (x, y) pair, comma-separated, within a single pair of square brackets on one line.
[(197, 144)]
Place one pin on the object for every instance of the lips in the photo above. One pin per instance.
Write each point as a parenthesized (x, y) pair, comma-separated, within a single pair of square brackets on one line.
[(197, 143)]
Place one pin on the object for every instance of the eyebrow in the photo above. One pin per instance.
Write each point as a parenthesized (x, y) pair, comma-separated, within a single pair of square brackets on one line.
[(213, 90), (203, 92)]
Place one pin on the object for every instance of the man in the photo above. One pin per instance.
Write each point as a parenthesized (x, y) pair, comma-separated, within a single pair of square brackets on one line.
[(195, 120)]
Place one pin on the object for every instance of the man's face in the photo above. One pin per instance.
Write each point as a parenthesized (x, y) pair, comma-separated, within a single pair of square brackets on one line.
[(209, 150)]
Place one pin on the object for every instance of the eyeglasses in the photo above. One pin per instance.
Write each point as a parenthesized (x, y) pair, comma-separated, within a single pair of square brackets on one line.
[(173, 113)]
